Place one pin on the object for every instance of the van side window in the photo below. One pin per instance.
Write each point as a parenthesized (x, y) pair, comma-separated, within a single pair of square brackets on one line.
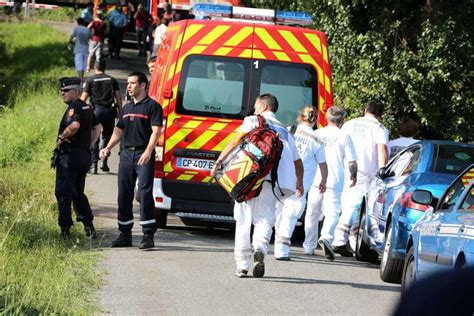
[(213, 86), (294, 85)]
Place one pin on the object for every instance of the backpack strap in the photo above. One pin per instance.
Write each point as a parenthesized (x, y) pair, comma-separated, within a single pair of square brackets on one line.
[(261, 121)]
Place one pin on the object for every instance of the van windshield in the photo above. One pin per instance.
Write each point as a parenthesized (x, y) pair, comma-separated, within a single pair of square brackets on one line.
[(213, 86)]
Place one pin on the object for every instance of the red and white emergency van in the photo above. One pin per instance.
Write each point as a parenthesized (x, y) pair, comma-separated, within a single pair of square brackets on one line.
[(207, 76)]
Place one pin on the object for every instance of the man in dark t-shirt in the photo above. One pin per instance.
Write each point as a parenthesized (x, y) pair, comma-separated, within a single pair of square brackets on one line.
[(138, 130), (77, 130), (103, 93)]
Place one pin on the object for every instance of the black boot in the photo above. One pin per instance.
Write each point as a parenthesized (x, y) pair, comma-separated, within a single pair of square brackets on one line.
[(94, 168), (104, 166), (124, 240), (147, 242), (65, 233), (90, 231)]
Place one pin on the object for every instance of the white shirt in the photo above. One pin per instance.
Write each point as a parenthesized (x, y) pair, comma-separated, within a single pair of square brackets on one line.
[(396, 145), (286, 168), (366, 132), (159, 34), (338, 147), (311, 152)]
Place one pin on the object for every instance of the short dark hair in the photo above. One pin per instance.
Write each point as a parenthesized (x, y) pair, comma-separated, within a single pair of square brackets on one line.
[(100, 64), (375, 107), (140, 75), (81, 21), (269, 100), (408, 127), (151, 59)]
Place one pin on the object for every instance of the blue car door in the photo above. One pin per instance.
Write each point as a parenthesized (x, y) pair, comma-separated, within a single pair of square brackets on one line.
[(456, 225), (391, 191), (427, 246)]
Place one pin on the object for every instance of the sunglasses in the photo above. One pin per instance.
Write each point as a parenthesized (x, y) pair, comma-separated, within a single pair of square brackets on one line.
[(65, 90)]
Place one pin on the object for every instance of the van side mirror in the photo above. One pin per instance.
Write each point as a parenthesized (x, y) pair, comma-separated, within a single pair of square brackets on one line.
[(422, 197)]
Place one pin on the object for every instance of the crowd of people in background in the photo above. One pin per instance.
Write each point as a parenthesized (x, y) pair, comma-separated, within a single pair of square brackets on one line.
[(95, 28)]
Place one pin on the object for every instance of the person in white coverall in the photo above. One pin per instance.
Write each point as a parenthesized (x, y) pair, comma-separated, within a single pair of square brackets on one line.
[(260, 210), (370, 140), (311, 151), (340, 152)]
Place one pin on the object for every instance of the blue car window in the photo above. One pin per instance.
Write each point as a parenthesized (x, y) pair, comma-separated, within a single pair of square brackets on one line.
[(452, 196), (468, 203), (453, 159)]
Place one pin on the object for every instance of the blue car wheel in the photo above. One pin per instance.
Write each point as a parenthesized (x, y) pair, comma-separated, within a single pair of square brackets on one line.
[(409, 270), (391, 268)]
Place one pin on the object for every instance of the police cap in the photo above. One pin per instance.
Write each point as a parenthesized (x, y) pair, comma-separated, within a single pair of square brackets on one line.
[(70, 83)]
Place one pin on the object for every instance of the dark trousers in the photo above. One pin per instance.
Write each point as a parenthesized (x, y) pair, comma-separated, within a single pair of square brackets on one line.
[(128, 173), (141, 33), (71, 174), (106, 117), (115, 40)]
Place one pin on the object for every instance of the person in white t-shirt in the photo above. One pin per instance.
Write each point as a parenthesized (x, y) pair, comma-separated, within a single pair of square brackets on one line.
[(370, 140), (407, 128), (340, 152), (311, 152), (159, 34), (260, 211)]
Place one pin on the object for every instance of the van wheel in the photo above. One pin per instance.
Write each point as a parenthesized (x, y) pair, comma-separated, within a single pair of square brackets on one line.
[(161, 217), (363, 251), (391, 268), (409, 270)]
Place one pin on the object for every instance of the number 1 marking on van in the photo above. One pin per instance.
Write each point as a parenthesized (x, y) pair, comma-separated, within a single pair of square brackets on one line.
[(256, 64)]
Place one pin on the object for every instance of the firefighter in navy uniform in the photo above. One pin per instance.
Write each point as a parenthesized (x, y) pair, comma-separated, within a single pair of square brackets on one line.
[(103, 93), (78, 129), (138, 130)]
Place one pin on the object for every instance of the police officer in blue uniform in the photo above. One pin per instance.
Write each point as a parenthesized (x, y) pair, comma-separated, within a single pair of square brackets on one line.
[(138, 130), (78, 129)]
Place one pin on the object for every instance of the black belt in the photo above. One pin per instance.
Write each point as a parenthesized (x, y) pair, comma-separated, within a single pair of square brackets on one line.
[(134, 148)]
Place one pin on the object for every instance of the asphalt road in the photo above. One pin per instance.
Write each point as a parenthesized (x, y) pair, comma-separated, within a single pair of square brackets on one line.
[(191, 271)]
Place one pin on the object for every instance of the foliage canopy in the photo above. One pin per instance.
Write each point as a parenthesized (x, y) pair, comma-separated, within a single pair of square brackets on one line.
[(416, 56)]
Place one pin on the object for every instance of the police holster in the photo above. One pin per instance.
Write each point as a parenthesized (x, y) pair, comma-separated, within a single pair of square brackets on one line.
[(57, 152)]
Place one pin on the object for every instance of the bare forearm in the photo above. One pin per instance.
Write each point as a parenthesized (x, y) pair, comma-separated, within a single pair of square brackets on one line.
[(353, 169), (153, 139), (115, 139), (324, 172), (70, 130)]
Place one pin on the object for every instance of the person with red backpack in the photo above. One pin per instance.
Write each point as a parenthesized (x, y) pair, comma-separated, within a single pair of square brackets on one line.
[(260, 210)]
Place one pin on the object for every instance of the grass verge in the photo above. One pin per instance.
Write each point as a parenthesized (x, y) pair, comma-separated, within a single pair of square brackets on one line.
[(39, 272)]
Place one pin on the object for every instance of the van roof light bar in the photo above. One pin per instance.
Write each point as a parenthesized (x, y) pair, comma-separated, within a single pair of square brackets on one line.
[(290, 17), (206, 11)]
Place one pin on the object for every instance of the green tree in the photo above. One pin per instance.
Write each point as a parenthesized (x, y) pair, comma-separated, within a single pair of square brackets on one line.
[(416, 56)]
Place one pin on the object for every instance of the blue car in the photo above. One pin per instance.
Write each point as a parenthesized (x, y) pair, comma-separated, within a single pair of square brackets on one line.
[(389, 212), (444, 237)]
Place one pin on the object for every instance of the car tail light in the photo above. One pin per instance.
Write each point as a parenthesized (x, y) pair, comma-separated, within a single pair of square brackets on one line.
[(159, 150), (407, 202)]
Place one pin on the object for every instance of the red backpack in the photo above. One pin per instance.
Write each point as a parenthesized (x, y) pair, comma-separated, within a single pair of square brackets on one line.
[(244, 169)]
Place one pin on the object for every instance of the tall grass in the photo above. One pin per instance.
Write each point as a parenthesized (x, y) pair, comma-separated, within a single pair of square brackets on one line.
[(39, 272)]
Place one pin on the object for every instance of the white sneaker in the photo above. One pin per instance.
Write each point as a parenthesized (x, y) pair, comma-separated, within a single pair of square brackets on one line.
[(241, 273), (309, 252)]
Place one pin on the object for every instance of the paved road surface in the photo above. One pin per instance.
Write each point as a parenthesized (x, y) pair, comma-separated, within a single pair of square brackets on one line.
[(191, 271)]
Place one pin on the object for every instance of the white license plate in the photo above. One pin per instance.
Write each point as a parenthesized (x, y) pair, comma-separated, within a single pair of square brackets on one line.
[(195, 164)]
